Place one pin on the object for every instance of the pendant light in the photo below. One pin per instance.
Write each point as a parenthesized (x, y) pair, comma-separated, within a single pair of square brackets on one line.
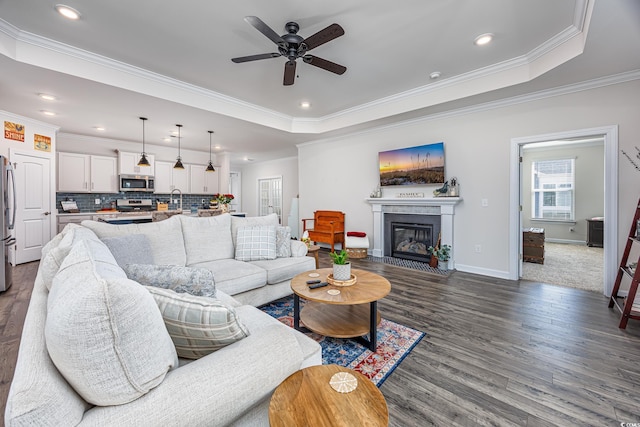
[(143, 157), (178, 164), (210, 167)]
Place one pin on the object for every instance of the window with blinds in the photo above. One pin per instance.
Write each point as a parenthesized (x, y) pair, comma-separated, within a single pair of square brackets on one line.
[(553, 189)]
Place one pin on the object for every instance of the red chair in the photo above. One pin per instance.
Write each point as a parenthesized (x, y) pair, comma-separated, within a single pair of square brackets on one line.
[(328, 227)]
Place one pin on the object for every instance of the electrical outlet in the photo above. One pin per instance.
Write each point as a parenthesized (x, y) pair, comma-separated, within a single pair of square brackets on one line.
[(478, 248), (97, 201), (202, 201)]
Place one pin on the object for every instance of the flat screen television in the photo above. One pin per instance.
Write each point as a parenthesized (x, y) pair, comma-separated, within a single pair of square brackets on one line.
[(420, 165)]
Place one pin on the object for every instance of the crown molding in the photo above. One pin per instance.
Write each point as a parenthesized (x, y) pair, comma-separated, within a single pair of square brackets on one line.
[(492, 105), (36, 50)]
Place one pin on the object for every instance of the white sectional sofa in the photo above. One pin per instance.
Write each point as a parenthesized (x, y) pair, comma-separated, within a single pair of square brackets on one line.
[(95, 350)]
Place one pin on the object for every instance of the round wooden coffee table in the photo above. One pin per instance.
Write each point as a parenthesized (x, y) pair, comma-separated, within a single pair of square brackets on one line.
[(305, 398), (351, 313)]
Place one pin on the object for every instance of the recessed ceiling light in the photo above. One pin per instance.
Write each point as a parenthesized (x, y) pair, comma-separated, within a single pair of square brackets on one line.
[(47, 96), (483, 39), (99, 128), (166, 139), (305, 104), (68, 12), (48, 113), (217, 147), (434, 75), (174, 133)]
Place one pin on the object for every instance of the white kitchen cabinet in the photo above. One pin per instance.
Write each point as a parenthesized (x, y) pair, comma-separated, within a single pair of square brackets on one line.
[(82, 173), (201, 181), (128, 164), (73, 173), (104, 174), (167, 178)]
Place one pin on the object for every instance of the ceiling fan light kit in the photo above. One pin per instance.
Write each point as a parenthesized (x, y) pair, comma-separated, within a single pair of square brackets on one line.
[(292, 46), (178, 164)]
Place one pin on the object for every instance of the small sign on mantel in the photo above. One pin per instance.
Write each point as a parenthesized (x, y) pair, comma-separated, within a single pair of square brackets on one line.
[(410, 195)]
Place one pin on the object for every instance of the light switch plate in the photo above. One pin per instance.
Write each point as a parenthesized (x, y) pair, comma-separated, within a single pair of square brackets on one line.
[(97, 201)]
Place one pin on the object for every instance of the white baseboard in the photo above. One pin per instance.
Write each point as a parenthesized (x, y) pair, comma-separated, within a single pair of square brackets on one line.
[(566, 241), (483, 271)]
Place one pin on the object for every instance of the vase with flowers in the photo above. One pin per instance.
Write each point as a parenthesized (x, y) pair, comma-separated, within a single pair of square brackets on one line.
[(222, 201)]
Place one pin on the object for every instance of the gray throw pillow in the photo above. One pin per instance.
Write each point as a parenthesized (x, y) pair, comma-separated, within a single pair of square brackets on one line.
[(130, 249), (189, 280), (283, 242)]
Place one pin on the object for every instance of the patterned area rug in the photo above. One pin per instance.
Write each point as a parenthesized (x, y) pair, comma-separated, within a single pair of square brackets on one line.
[(415, 265), (395, 341)]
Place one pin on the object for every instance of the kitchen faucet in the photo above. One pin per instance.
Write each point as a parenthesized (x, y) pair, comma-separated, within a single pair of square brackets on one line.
[(180, 192)]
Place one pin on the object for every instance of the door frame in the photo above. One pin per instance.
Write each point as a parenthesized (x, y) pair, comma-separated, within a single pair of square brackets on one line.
[(610, 134), (53, 218)]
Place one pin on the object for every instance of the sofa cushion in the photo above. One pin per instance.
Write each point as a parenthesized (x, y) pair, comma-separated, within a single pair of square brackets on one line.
[(281, 269), (103, 331), (207, 238), (54, 254), (234, 277), (198, 325), (165, 237), (255, 243), (283, 242), (130, 249), (251, 221), (190, 280)]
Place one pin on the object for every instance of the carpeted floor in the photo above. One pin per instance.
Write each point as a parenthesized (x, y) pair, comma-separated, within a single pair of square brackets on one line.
[(395, 341), (575, 266)]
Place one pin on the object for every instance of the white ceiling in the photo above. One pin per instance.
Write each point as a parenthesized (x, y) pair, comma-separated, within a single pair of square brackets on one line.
[(171, 62)]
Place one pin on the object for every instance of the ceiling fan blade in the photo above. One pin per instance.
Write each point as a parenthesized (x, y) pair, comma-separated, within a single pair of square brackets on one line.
[(289, 73), (323, 36), (324, 64), (266, 30), (255, 57)]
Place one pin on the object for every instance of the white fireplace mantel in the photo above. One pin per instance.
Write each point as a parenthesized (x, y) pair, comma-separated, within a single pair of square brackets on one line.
[(443, 206)]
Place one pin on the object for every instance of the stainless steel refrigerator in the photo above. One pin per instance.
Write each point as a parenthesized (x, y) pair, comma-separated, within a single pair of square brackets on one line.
[(7, 220)]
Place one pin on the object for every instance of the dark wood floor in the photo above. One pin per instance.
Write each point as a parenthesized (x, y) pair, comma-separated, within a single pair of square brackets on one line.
[(496, 352)]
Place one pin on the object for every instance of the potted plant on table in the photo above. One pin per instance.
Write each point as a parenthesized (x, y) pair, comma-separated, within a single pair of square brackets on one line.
[(341, 265), (442, 253)]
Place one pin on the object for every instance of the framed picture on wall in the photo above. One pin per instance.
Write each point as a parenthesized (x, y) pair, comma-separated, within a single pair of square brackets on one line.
[(419, 165)]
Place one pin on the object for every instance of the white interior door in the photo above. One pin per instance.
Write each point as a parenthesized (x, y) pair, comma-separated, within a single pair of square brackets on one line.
[(33, 210), (235, 188), (270, 196)]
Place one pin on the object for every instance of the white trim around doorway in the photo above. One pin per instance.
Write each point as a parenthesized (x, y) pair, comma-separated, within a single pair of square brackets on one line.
[(610, 134)]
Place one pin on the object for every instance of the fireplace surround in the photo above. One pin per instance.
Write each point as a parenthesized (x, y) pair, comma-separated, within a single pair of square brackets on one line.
[(412, 211)]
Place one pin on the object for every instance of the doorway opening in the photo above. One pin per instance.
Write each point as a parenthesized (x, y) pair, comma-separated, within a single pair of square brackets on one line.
[(561, 206)]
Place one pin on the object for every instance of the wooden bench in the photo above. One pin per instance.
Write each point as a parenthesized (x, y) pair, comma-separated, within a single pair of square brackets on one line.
[(328, 227)]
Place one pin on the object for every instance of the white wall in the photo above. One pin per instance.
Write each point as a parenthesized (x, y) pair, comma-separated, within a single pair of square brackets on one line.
[(477, 151), (287, 168)]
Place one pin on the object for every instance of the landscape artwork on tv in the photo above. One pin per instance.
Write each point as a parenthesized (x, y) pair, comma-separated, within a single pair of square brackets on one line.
[(413, 166)]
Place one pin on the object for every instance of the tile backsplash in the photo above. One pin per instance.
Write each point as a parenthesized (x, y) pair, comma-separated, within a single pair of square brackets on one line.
[(86, 202)]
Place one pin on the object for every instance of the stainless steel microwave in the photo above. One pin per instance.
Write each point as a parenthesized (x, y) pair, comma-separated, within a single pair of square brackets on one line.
[(136, 183)]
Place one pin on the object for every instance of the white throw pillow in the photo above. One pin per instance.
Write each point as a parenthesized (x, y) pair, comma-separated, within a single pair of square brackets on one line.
[(103, 331), (238, 222), (256, 243), (198, 325)]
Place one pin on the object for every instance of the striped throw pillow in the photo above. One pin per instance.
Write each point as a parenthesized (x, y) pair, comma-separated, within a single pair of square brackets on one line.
[(197, 325)]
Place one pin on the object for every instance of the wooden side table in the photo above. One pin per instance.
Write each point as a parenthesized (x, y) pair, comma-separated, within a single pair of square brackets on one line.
[(313, 251), (305, 398)]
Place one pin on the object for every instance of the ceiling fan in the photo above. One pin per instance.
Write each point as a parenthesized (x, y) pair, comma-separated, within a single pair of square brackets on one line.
[(293, 46)]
